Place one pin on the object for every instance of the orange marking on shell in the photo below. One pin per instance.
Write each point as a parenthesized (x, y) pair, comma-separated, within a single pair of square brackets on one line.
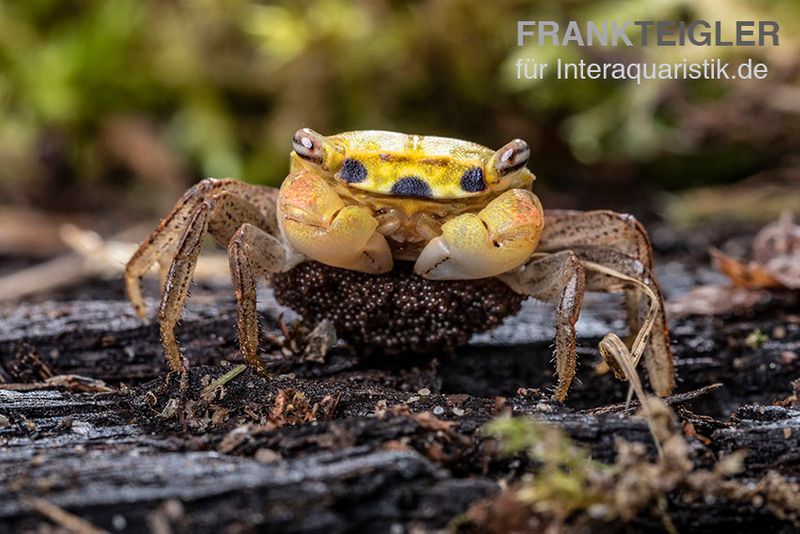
[(526, 212), (303, 192)]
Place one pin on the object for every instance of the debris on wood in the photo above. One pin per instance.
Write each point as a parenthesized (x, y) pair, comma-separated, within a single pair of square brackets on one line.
[(775, 266), (70, 522), (319, 342), (567, 491), (291, 407), (343, 443), (76, 383)]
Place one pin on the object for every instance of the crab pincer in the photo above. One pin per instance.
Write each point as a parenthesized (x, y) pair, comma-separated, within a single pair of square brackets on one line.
[(497, 239), (317, 223)]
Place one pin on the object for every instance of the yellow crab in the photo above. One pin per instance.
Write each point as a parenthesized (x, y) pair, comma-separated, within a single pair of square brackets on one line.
[(339, 238)]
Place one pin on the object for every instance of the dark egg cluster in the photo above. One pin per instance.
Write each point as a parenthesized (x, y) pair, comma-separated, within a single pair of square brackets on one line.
[(398, 311)]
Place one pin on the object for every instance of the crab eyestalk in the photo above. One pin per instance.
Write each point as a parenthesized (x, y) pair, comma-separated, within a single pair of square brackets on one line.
[(318, 150), (506, 163)]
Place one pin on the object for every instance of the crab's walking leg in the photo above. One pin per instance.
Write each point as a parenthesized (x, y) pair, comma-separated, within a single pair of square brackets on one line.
[(318, 224), (252, 253), (566, 228), (601, 228), (619, 242), (495, 240), (220, 214), (176, 286), (559, 279), (162, 243)]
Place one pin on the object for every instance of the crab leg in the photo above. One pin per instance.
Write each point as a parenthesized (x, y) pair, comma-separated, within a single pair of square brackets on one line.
[(652, 336), (601, 228), (252, 253), (162, 243), (619, 242), (318, 224), (220, 215), (559, 279), (176, 286), (567, 228), (495, 240)]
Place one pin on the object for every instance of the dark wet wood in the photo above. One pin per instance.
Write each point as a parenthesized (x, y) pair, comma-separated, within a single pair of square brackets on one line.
[(375, 457)]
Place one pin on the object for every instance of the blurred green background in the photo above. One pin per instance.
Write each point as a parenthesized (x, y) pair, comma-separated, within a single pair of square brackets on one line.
[(120, 105)]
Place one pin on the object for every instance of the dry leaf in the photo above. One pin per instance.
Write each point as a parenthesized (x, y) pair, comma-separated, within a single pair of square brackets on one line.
[(429, 421), (713, 300), (776, 265), (776, 253), (778, 239), (751, 275)]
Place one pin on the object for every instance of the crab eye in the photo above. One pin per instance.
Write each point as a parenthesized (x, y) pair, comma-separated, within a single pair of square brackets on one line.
[(512, 157), (472, 180), (309, 145)]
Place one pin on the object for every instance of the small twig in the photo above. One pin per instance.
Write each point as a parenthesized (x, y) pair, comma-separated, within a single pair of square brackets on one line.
[(76, 383), (284, 328), (672, 400), (62, 518), (613, 347), (639, 344), (663, 512), (91, 256), (644, 332), (221, 381)]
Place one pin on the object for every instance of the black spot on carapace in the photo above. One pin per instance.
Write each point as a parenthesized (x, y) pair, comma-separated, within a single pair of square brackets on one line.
[(472, 180), (353, 171), (412, 186)]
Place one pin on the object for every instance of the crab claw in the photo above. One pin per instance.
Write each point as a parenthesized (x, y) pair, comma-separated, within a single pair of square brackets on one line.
[(496, 240), (318, 224)]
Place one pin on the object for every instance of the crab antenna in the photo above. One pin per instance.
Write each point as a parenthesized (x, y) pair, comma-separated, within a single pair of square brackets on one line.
[(317, 149)]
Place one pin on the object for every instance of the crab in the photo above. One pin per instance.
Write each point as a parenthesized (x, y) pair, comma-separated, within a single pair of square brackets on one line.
[(408, 243)]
